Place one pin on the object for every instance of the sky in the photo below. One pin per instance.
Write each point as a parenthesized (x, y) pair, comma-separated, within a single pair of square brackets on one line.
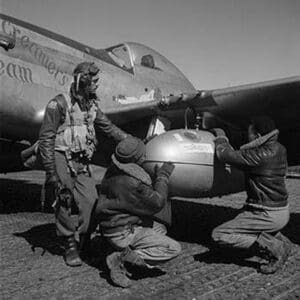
[(215, 43)]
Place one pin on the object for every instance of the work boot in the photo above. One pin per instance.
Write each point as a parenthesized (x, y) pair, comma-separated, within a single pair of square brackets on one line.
[(286, 240), (117, 270), (71, 255), (131, 257), (274, 251)]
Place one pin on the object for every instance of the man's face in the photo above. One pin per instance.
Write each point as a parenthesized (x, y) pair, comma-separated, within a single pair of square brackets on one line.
[(89, 86), (94, 84)]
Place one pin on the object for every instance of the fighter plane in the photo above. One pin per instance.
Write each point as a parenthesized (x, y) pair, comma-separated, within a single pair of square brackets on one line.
[(144, 93)]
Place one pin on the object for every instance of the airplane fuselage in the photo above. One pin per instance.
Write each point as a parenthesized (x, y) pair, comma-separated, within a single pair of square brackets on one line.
[(41, 63), (36, 65)]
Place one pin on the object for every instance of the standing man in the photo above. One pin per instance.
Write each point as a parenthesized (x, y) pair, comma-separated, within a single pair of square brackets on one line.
[(266, 212), (131, 211), (67, 142)]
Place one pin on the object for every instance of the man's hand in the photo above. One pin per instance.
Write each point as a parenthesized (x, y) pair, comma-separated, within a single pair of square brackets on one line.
[(149, 138), (218, 132), (166, 169), (52, 186), (220, 135), (53, 181)]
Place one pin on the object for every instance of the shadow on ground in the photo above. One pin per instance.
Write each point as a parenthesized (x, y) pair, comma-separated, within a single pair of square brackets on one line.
[(194, 222), (19, 196), (44, 237), (224, 256)]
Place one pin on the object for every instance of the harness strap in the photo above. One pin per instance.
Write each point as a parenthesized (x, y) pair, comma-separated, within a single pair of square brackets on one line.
[(68, 155)]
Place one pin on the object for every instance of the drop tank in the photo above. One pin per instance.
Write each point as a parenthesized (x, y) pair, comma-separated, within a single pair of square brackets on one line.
[(197, 171)]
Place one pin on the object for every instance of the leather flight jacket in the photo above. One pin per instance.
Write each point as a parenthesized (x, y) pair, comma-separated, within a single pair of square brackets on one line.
[(55, 116), (123, 194), (264, 161)]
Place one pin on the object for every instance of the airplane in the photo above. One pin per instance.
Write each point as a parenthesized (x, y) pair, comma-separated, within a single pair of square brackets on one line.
[(145, 94)]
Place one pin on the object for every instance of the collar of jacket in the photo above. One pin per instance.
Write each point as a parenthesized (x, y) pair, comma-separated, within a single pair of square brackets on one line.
[(133, 170), (261, 140)]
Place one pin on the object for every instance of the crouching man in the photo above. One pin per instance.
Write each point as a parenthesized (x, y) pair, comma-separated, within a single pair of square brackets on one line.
[(127, 208), (266, 212)]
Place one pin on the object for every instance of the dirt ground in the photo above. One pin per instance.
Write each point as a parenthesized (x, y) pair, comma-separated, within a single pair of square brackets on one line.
[(32, 266)]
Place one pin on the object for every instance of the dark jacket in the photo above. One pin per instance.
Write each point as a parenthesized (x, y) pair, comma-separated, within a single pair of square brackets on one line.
[(264, 161), (124, 196), (55, 115)]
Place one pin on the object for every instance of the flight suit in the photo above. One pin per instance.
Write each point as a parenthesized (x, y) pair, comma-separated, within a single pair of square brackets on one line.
[(67, 142)]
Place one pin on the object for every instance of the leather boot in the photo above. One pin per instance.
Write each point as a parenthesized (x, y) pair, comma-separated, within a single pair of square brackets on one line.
[(285, 240), (71, 255), (274, 251), (129, 256), (117, 270)]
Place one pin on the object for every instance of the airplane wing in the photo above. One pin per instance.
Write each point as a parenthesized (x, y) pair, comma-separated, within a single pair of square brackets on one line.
[(132, 112), (278, 98), (234, 106)]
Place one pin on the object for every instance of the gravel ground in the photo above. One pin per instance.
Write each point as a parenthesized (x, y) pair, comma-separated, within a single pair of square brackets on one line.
[(32, 266)]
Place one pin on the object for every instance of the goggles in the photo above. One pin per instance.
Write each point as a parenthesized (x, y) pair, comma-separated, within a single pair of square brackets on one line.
[(86, 68)]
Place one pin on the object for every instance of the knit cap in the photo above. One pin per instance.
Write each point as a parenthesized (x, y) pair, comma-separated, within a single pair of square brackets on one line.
[(130, 150), (127, 156)]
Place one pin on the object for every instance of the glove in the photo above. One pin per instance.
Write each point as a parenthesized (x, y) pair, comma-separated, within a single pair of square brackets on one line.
[(166, 169), (218, 132), (52, 187)]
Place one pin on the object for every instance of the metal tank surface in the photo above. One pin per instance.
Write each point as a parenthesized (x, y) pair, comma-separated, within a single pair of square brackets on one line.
[(197, 171), (192, 152)]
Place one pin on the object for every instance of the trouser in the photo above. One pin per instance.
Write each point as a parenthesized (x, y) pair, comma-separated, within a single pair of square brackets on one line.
[(84, 192), (150, 243), (243, 231)]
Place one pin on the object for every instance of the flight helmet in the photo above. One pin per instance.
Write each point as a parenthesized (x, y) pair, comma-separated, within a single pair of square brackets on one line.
[(86, 78)]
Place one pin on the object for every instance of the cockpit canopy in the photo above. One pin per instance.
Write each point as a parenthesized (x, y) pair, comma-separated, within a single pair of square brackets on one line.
[(120, 54), (130, 55)]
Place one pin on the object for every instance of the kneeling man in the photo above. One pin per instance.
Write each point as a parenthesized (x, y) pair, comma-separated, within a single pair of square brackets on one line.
[(257, 227), (127, 208)]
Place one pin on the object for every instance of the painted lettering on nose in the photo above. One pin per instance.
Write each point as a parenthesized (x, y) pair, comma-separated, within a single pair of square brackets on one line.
[(16, 71)]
